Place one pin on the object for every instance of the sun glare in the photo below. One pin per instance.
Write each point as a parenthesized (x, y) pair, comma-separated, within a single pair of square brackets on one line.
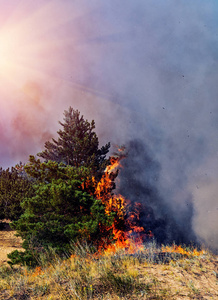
[(7, 54), (42, 42), (30, 46), (12, 69)]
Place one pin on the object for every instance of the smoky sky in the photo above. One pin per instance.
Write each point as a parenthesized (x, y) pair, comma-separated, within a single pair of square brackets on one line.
[(144, 71)]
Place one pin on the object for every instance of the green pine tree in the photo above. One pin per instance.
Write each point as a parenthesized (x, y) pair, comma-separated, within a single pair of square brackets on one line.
[(63, 207), (77, 144)]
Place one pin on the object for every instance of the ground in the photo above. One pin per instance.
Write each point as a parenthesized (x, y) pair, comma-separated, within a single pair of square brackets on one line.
[(8, 242), (108, 277)]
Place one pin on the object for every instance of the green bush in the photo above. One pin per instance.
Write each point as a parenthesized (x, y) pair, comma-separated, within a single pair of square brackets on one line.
[(14, 187)]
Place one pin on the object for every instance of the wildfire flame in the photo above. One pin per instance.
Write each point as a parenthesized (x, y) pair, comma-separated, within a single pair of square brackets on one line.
[(179, 249), (127, 234)]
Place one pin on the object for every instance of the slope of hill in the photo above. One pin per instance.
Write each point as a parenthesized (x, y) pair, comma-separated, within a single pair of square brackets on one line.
[(145, 275)]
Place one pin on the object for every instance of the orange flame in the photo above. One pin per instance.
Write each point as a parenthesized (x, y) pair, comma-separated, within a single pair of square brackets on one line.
[(127, 235), (38, 271), (179, 249)]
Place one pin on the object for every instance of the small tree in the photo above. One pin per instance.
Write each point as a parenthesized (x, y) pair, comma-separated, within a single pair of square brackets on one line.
[(63, 207), (77, 144), (14, 187)]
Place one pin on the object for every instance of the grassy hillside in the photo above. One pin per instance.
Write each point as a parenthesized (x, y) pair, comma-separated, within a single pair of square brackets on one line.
[(149, 274)]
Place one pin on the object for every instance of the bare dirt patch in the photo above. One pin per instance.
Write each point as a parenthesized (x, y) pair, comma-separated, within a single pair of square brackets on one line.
[(185, 279), (8, 242)]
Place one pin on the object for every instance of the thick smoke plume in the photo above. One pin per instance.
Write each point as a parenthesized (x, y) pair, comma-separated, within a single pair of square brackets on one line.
[(146, 72)]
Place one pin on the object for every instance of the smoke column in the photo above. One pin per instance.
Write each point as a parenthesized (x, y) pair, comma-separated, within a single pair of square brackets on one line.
[(146, 72)]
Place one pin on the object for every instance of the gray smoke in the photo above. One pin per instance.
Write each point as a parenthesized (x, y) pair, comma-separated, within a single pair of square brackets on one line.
[(146, 72), (140, 175)]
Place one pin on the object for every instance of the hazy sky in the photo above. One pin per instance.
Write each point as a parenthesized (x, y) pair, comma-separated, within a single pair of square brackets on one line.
[(141, 69)]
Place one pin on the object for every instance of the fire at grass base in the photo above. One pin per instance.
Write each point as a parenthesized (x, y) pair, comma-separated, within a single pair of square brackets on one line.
[(146, 274), (131, 266), (126, 230)]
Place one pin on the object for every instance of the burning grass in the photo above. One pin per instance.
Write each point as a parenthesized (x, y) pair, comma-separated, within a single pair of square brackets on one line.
[(146, 274)]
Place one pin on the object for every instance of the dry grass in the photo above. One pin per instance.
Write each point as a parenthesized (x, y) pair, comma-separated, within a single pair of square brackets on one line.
[(146, 275)]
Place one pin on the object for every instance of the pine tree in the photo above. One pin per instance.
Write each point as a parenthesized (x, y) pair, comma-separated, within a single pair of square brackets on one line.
[(77, 144), (63, 207)]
